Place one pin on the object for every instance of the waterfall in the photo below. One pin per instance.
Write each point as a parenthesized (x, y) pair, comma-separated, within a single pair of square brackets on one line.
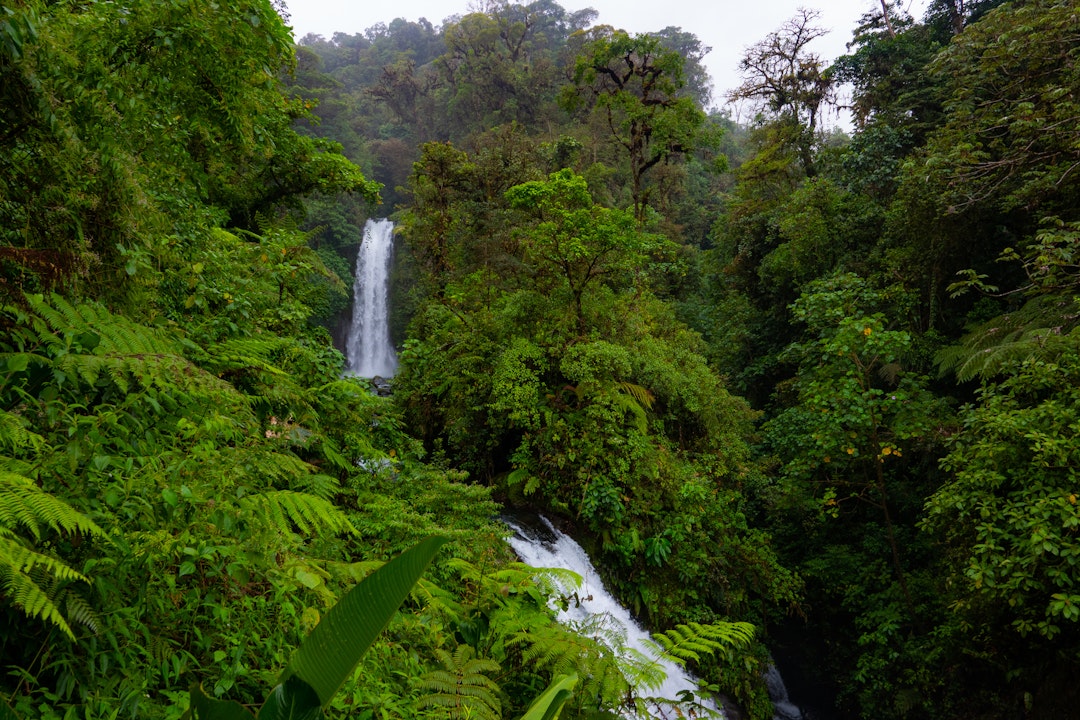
[(783, 708), (549, 548), (367, 346)]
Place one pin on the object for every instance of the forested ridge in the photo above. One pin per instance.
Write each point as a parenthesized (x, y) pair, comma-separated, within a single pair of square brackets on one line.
[(825, 383)]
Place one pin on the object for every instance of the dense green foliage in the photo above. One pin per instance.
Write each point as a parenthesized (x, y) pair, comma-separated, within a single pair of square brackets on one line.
[(822, 383)]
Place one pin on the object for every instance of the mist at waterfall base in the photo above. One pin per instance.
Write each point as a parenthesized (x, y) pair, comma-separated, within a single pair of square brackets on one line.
[(592, 607), (368, 350)]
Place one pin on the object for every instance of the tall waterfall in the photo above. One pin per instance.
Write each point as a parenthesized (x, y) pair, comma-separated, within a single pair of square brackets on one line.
[(549, 548), (367, 346)]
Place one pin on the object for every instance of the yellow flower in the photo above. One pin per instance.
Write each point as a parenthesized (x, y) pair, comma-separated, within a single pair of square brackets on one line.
[(866, 331), (886, 450), (851, 451)]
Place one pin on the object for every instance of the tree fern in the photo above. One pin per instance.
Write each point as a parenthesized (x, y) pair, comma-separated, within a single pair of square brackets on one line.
[(95, 328), (15, 436), (87, 343), (607, 677), (635, 399), (461, 690), (1044, 327), (321, 486)]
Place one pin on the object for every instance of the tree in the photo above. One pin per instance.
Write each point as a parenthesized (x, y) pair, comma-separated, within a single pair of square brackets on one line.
[(888, 72), (142, 113), (1009, 523), (634, 84), (1041, 322), (576, 241), (497, 67), (1012, 112), (698, 84), (858, 411), (788, 82)]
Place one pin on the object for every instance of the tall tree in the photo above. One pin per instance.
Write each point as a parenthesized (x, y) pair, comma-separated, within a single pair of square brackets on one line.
[(788, 82), (634, 83)]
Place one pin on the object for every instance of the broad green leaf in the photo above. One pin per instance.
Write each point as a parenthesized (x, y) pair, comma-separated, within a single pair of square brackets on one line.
[(292, 700), (326, 658), (549, 704), (17, 362), (204, 707)]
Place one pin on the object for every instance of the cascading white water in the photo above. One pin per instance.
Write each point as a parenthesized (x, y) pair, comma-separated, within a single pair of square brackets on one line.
[(783, 708), (368, 347), (593, 605)]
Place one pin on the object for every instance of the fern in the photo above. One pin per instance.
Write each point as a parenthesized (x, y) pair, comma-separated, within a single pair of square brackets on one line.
[(24, 504), (245, 354), (18, 567), (14, 436), (87, 343), (280, 510), (95, 328), (686, 643), (25, 573), (321, 486), (1040, 329), (462, 690), (556, 649)]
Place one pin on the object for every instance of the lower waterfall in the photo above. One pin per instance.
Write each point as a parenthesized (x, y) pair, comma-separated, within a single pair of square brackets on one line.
[(783, 708), (368, 349), (547, 547)]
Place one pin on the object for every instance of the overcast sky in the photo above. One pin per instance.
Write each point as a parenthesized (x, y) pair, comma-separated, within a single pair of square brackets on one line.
[(727, 26)]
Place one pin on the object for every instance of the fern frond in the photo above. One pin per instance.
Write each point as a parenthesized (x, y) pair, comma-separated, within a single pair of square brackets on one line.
[(31, 599), (21, 559), (635, 400), (97, 327), (24, 504), (435, 597), (15, 437), (280, 510), (321, 486), (17, 564), (88, 343), (462, 689), (78, 610), (690, 641), (641, 394), (282, 470), (244, 354), (556, 651), (1044, 327)]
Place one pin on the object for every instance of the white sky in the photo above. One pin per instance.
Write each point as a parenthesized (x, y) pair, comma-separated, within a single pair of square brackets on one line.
[(727, 26)]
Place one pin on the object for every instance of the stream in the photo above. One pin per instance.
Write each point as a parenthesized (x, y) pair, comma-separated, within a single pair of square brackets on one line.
[(539, 544)]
